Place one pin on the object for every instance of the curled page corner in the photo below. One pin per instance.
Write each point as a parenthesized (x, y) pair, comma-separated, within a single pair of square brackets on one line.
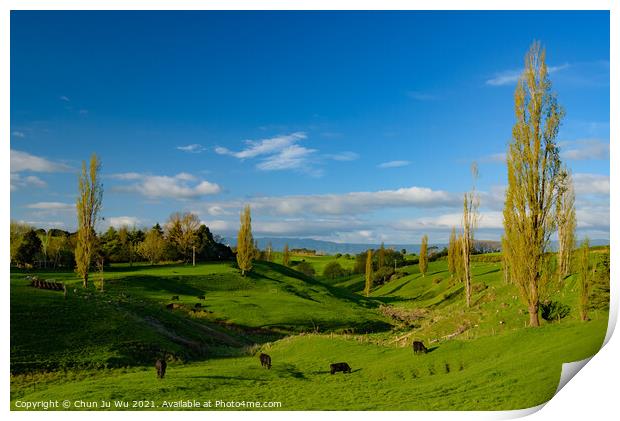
[(518, 413), (568, 372)]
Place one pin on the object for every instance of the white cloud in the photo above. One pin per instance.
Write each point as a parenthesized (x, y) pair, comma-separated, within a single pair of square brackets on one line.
[(218, 225), (346, 203), (122, 221), (126, 176), (264, 146), (593, 217), (180, 186), (24, 161), (584, 149), (17, 133), (291, 157), (217, 211), (193, 148), (44, 224), (17, 181), (343, 156), (185, 176), (393, 164), (52, 206), (64, 98), (280, 153), (510, 77), (488, 220), (284, 153), (588, 184), (303, 226)]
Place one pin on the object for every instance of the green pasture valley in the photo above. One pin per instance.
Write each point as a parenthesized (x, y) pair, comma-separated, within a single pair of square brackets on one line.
[(96, 345)]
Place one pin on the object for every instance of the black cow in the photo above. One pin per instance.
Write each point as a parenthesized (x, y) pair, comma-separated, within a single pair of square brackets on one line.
[(201, 297), (170, 306), (160, 366), (197, 305), (336, 367), (419, 348), (175, 297), (265, 360)]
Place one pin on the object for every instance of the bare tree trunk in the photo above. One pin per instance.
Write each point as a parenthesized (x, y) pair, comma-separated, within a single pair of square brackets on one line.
[(533, 310), (85, 281), (467, 271)]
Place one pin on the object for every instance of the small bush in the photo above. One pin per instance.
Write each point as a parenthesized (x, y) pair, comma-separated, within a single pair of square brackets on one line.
[(553, 310), (398, 275), (383, 274), (334, 270), (305, 268), (476, 288)]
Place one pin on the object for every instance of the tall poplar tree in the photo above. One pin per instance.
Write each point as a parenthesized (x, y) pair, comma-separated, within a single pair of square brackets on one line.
[(566, 221), (471, 203), (245, 242), (286, 256), (453, 253), (585, 278), (423, 261), (505, 256), (90, 196), (458, 261), (533, 166), (368, 273)]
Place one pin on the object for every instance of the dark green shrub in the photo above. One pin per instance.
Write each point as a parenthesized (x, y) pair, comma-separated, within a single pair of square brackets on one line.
[(334, 270), (305, 268), (553, 310)]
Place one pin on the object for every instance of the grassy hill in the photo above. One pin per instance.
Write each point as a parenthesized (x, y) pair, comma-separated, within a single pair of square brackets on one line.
[(129, 323), (101, 345), (508, 371)]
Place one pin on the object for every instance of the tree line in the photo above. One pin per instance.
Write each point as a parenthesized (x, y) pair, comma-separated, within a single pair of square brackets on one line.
[(174, 242)]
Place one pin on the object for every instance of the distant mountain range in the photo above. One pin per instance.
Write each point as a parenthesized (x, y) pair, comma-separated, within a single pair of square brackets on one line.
[(330, 247)]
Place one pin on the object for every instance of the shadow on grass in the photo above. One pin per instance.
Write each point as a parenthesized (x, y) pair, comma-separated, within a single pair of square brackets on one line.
[(338, 292), (488, 272), (158, 284)]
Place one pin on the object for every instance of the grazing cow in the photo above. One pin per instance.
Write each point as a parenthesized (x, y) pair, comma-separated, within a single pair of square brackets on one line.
[(265, 360), (170, 306), (197, 305), (201, 297), (175, 297), (336, 367), (160, 366), (419, 348)]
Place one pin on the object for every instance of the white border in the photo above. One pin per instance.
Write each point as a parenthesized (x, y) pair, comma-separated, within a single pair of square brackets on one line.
[(592, 393)]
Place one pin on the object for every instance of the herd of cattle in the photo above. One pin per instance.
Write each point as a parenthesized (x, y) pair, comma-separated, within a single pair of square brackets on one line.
[(265, 361)]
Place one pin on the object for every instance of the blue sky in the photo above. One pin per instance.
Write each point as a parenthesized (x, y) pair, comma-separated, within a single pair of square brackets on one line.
[(343, 126)]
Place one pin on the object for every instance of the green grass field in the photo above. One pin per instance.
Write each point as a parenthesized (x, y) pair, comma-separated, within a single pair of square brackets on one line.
[(97, 345)]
